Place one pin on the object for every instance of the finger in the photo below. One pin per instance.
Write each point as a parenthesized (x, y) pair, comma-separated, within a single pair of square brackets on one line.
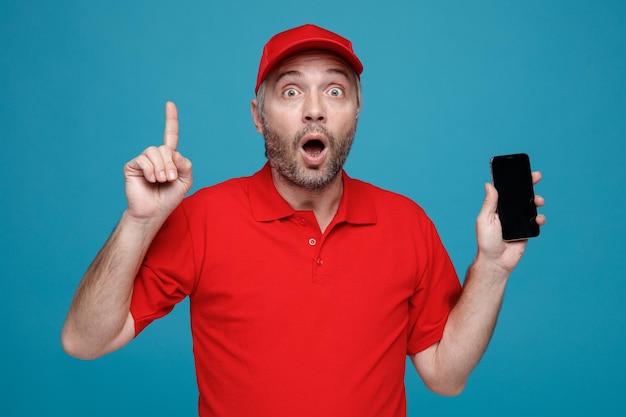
[(536, 176), (141, 164), (540, 219), (539, 201), (161, 160), (170, 135), (171, 170)]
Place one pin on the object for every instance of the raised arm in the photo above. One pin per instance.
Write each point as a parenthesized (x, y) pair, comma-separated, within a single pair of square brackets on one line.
[(445, 366), (99, 319)]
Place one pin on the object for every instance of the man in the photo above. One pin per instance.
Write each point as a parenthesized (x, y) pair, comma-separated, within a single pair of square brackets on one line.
[(307, 288)]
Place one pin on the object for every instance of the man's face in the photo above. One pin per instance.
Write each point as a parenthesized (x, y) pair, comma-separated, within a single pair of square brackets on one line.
[(309, 118)]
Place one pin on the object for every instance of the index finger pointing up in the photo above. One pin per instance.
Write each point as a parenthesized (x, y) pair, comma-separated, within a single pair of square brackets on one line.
[(170, 136)]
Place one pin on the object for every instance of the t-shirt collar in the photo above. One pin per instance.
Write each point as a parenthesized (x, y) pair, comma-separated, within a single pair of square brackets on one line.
[(356, 205)]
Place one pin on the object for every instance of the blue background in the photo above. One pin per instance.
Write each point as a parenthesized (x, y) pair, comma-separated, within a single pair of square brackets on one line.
[(447, 84)]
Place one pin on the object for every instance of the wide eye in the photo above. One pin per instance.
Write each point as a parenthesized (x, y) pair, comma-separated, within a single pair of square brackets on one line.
[(336, 92), (290, 92)]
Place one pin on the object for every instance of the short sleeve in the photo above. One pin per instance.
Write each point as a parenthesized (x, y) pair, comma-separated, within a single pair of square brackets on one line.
[(436, 292), (167, 274)]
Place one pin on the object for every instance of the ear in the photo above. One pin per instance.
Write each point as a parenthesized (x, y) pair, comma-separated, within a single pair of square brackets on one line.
[(256, 116)]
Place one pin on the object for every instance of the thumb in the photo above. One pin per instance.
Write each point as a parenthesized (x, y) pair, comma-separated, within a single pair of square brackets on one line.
[(490, 205), (183, 165), (488, 222)]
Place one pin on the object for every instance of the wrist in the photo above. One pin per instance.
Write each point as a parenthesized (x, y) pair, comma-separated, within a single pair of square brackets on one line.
[(487, 267), (140, 226)]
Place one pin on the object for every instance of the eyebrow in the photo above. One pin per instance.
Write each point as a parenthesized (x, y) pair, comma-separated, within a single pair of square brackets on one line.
[(293, 73), (298, 74)]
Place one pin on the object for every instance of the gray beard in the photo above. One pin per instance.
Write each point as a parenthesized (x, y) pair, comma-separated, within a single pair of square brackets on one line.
[(281, 151)]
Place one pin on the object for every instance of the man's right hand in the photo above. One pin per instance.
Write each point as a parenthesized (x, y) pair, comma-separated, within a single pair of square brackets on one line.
[(99, 320), (157, 180)]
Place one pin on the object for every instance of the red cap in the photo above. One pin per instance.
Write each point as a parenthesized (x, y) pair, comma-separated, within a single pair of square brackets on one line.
[(304, 38)]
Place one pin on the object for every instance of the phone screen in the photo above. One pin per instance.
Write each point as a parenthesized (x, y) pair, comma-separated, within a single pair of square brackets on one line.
[(516, 197)]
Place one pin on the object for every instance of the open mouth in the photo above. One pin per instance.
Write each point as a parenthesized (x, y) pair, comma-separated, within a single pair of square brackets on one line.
[(313, 147)]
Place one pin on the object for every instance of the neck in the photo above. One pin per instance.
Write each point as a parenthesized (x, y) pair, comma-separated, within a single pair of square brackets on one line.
[(323, 202)]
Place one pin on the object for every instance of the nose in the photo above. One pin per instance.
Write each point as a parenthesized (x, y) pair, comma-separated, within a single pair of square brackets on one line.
[(314, 110)]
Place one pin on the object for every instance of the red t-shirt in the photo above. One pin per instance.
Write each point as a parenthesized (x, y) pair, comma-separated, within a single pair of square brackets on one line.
[(287, 321)]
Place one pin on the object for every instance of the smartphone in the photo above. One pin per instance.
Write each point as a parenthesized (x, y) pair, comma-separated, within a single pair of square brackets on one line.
[(512, 178)]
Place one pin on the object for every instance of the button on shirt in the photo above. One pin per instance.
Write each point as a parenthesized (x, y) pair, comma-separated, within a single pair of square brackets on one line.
[(289, 321)]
